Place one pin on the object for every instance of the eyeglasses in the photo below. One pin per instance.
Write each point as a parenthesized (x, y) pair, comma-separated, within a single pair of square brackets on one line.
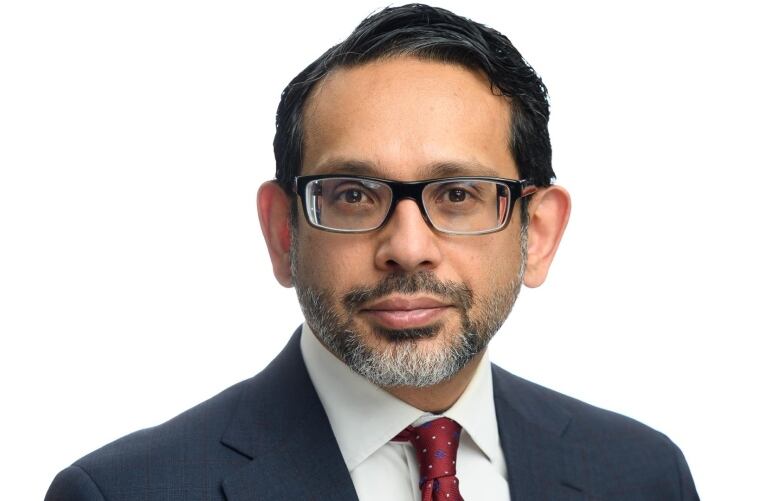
[(472, 205)]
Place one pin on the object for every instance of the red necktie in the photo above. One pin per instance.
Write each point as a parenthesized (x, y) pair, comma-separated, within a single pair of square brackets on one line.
[(436, 443)]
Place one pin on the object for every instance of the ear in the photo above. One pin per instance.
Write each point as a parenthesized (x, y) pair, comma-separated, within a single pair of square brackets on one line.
[(273, 209), (548, 215)]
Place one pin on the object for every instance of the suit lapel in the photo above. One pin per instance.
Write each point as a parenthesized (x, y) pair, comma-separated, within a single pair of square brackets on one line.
[(540, 464), (281, 426)]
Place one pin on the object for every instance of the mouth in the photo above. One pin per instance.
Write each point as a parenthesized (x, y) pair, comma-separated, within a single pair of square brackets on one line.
[(401, 312)]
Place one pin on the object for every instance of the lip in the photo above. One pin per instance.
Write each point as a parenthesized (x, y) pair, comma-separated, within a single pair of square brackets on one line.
[(406, 312), (398, 303)]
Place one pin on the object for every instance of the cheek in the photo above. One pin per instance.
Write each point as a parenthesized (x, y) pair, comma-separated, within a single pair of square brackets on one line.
[(486, 261), (334, 262)]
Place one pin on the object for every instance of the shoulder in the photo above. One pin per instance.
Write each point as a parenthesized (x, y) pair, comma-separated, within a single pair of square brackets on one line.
[(578, 420), (193, 427), (618, 453), (187, 446), (188, 456)]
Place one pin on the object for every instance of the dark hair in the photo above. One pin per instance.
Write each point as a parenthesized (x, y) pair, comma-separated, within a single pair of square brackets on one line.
[(435, 34)]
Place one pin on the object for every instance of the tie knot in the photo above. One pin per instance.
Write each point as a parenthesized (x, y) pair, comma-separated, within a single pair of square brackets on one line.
[(436, 443)]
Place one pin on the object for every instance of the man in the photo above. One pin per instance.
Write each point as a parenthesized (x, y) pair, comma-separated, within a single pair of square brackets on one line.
[(412, 199)]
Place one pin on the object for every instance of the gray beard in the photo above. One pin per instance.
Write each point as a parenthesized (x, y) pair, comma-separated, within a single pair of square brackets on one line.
[(403, 362)]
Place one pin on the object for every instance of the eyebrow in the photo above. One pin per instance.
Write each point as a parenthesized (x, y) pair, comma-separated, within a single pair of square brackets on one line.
[(452, 169), (349, 166), (430, 171)]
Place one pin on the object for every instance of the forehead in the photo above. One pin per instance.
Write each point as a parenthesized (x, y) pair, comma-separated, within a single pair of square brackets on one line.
[(406, 118)]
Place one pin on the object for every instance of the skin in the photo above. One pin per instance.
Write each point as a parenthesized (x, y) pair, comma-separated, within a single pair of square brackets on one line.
[(402, 119)]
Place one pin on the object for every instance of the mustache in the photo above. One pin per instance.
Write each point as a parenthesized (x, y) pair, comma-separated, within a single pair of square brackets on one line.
[(457, 293)]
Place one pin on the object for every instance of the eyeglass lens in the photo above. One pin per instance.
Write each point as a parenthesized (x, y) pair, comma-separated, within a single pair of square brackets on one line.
[(453, 205)]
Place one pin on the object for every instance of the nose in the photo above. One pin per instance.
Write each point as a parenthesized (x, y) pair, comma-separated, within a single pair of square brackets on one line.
[(406, 242)]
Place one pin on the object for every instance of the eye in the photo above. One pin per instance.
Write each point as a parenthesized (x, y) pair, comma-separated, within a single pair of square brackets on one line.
[(351, 193), (456, 195), (352, 196)]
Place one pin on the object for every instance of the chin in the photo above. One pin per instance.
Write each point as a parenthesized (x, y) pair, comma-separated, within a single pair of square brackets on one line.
[(410, 334)]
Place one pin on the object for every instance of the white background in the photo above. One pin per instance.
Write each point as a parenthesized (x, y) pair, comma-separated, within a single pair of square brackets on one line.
[(134, 282)]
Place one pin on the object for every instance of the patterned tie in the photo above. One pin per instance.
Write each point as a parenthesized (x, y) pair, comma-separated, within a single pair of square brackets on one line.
[(436, 443)]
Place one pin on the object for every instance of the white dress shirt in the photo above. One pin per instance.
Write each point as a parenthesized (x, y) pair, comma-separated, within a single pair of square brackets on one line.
[(365, 418)]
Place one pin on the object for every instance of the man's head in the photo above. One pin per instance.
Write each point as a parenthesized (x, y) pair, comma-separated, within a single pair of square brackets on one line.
[(431, 34), (415, 93)]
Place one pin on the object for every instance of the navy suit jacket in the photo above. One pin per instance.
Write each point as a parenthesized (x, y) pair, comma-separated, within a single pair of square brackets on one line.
[(268, 438)]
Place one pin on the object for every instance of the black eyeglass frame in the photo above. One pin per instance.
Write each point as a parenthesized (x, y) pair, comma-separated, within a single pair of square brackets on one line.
[(401, 190)]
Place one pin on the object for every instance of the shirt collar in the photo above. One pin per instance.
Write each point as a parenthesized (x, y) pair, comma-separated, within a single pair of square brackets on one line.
[(364, 417)]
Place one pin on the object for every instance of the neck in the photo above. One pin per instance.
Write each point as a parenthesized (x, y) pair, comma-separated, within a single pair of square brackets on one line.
[(439, 397)]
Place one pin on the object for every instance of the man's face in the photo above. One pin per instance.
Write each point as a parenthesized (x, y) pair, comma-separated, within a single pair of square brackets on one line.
[(404, 304)]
